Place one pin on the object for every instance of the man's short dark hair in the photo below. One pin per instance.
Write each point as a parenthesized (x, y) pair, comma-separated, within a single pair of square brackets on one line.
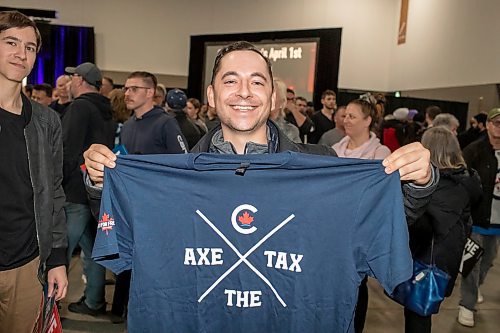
[(15, 19), (110, 80), (481, 118), (239, 46), (45, 87), (29, 88), (288, 90), (146, 76), (432, 111), (300, 98), (328, 93)]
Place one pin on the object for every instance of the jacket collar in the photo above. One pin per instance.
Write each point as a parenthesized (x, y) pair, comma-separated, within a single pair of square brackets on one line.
[(27, 110), (277, 140), (153, 112)]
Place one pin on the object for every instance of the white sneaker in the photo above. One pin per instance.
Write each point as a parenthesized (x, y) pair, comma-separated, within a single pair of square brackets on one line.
[(465, 316), (480, 298)]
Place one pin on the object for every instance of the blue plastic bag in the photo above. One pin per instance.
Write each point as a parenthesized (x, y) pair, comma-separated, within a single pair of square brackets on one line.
[(425, 291)]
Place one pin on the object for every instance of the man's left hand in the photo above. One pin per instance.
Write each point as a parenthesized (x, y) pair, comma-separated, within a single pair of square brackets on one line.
[(413, 162), (58, 276)]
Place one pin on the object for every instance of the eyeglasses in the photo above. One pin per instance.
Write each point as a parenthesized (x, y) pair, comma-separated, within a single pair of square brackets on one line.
[(133, 89), (495, 123)]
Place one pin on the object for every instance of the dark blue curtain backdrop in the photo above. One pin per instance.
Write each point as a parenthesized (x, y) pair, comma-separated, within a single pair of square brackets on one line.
[(62, 46)]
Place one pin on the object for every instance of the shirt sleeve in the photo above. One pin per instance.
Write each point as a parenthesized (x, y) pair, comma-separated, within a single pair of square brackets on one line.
[(114, 240), (173, 139), (381, 234)]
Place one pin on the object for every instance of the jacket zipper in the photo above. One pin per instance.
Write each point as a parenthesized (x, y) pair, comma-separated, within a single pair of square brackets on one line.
[(33, 188)]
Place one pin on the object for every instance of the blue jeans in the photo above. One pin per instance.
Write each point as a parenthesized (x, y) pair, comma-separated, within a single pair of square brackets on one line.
[(475, 279), (80, 224)]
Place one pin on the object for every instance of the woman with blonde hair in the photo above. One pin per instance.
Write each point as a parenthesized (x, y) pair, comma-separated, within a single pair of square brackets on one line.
[(278, 114), (447, 221)]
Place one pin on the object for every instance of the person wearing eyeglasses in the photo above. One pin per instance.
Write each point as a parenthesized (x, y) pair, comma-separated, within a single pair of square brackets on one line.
[(150, 130), (301, 104), (484, 156), (296, 116), (243, 93), (88, 120)]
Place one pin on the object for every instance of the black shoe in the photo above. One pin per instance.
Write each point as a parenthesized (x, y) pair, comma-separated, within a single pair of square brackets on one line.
[(116, 319), (82, 307)]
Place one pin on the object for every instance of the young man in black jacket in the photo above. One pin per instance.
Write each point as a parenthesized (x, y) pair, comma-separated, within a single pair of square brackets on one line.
[(32, 221)]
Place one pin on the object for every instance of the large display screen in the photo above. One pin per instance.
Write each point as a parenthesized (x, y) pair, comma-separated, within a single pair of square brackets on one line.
[(292, 61)]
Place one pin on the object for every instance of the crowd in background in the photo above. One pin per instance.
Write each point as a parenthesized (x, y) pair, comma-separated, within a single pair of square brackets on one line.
[(54, 161), (361, 129), (294, 114)]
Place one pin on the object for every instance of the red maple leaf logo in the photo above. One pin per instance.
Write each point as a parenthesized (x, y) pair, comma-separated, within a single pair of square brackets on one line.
[(245, 218), (105, 218)]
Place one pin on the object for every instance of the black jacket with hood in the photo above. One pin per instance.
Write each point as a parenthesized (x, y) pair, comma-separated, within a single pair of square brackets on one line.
[(88, 120), (480, 155), (188, 128), (448, 219)]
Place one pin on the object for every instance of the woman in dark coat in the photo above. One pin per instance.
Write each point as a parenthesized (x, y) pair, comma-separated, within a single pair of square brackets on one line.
[(447, 217)]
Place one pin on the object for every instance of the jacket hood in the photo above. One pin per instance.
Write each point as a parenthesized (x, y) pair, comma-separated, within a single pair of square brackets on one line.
[(102, 102), (179, 113), (468, 178)]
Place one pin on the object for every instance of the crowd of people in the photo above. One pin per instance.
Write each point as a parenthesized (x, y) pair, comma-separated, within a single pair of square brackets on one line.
[(55, 178)]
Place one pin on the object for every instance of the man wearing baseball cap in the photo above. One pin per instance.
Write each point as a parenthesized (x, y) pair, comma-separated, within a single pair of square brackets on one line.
[(88, 120), (88, 72), (484, 156)]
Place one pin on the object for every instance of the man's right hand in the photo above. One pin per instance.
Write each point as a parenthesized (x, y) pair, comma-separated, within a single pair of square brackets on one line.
[(96, 158)]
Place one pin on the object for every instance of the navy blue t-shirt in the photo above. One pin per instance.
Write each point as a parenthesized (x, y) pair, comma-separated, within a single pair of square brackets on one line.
[(250, 243)]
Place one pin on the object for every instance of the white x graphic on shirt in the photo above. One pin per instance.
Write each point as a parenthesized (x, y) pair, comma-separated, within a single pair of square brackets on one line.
[(243, 258)]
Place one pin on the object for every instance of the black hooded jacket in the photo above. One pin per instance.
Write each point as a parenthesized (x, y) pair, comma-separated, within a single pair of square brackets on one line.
[(88, 120), (448, 218), (480, 155), (189, 129)]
